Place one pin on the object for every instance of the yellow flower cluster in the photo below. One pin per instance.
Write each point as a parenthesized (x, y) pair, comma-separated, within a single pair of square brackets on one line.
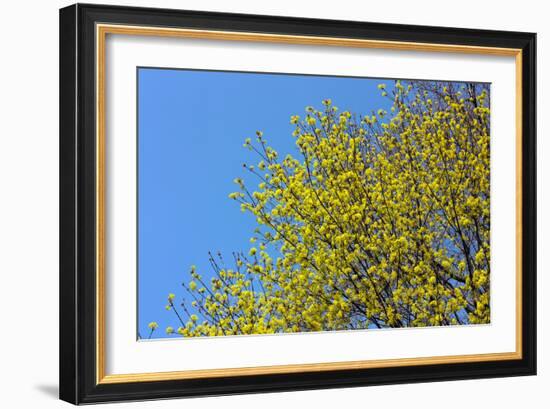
[(382, 222)]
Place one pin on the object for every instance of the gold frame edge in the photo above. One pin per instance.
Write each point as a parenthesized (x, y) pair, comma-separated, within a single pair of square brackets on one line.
[(101, 32)]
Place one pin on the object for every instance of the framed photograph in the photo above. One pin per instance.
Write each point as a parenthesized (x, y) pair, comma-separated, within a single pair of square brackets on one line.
[(257, 203)]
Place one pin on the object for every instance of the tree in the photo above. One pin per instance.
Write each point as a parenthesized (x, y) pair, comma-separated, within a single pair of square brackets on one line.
[(382, 222)]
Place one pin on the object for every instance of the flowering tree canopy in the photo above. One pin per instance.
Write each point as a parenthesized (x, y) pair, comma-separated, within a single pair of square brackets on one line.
[(382, 221)]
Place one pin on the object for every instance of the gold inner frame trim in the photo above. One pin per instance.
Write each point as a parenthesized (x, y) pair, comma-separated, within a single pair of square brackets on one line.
[(101, 33)]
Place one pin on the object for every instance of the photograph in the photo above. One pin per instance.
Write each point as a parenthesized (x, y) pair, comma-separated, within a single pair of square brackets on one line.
[(273, 203), (260, 202)]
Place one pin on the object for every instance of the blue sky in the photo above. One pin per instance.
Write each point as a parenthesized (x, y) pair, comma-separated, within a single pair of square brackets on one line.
[(191, 128)]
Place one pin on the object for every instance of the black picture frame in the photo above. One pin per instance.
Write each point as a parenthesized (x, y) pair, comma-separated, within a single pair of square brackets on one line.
[(78, 360)]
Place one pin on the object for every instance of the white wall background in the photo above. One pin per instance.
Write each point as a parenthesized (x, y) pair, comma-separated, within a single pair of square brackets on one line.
[(29, 202)]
